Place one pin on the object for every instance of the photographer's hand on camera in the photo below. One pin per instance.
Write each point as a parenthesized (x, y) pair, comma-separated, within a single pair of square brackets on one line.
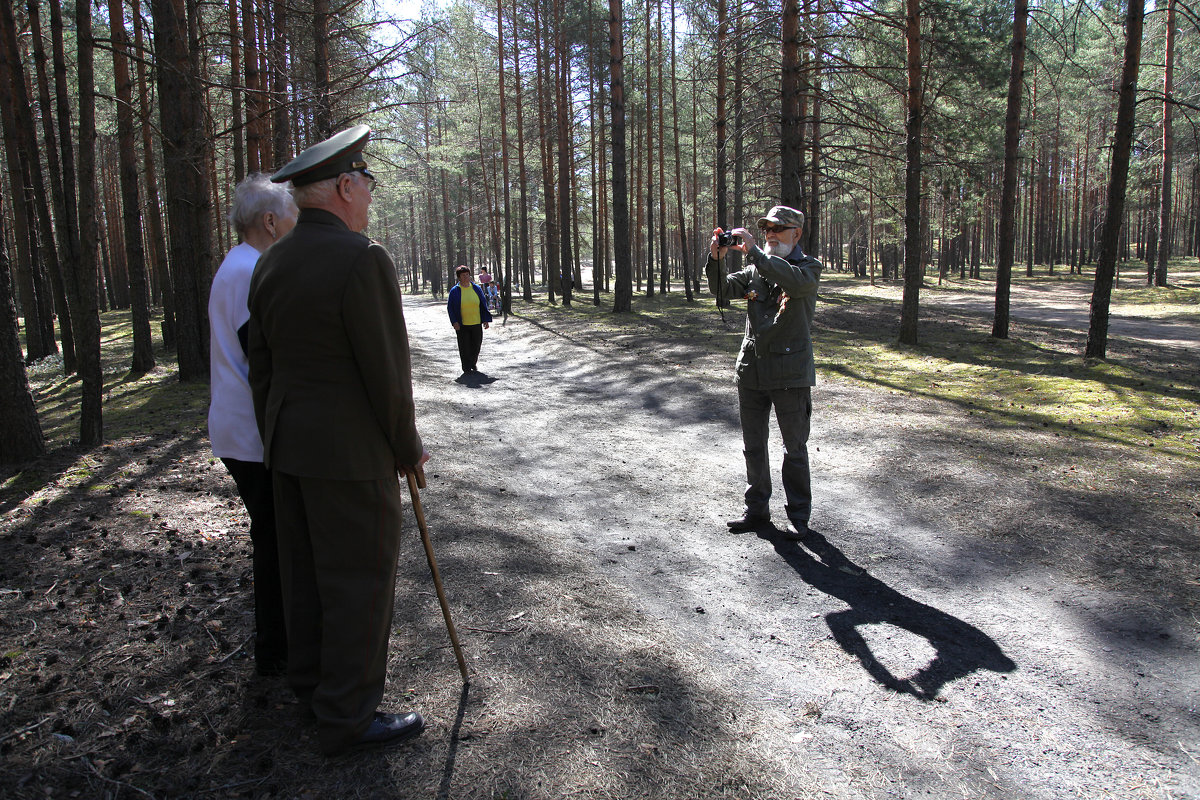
[(746, 240), (714, 250), (743, 240)]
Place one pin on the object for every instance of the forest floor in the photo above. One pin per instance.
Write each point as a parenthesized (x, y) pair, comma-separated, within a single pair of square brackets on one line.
[(1000, 598)]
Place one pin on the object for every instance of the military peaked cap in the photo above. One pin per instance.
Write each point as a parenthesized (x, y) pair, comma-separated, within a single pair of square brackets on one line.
[(340, 153)]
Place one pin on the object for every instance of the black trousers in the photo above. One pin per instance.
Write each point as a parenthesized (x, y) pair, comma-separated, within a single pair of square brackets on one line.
[(470, 339), (254, 484), (793, 412)]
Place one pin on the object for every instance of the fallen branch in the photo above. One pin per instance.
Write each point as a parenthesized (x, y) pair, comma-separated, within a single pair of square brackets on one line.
[(230, 786), (107, 779), (26, 729)]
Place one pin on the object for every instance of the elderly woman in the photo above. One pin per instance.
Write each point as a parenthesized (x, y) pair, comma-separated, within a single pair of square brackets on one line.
[(262, 213), (469, 315)]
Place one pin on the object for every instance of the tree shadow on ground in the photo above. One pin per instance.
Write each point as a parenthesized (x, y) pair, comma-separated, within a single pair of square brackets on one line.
[(960, 647)]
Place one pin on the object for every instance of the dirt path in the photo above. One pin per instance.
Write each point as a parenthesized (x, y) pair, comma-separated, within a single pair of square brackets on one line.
[(927, 642), (1067, 305)]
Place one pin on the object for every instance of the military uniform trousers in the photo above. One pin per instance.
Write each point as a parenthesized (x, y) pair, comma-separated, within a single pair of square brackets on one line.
[(793, 411), (338, 545)]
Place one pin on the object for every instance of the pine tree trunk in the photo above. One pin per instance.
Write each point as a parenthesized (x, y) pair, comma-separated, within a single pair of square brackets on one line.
[(65, 239), (1164, 214), (135, 259), (523, 236), (156, 233), (87, 317), (1012, 157), (324, 113), (814, 173), (566, 150), (1097, 342), (13, 94), (542, 70), (595, 160), (254, 109), (235, 95), (186, 156), (913, 272), (791, 133), (733, 259), (38, 208), (683, 238), (719, 177), (506, 283), (282, 150), (647, 159), (20, 434), (623, 279)]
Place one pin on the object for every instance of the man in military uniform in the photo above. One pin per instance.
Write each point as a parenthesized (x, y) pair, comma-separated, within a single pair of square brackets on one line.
[(332, 385), (775, 366)]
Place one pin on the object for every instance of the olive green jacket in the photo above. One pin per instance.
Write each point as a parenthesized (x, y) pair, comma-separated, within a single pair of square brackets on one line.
[(777, 349)]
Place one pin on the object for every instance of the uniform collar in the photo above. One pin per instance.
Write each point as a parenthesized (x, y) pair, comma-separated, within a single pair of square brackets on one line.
[(320, 216)]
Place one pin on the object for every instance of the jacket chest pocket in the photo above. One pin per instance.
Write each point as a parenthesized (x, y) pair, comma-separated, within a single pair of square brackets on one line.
[(784, 366)]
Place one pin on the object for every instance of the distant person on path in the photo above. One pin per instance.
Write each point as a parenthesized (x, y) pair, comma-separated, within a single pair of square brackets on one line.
[(262, 212), (491, 290), (331, 375), (775, 366), (469, 315)]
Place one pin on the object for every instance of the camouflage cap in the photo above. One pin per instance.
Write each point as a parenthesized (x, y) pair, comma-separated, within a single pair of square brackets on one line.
[(340, 153), (783, 216)]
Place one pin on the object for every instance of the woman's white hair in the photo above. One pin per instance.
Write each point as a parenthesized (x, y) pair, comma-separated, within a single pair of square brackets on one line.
[(255, 196)]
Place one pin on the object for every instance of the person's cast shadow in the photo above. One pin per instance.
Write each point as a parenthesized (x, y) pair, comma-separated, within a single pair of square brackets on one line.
[(961, 648)]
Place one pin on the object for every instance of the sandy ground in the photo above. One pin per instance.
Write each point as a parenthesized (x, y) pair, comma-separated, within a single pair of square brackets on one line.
[(981, 612), (922, 643)]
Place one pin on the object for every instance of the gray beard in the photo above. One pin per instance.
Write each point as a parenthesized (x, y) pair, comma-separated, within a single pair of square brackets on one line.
[(778, 249)]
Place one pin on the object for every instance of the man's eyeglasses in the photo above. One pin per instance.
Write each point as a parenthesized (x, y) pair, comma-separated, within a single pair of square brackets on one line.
[(775, 228), (371, 182)]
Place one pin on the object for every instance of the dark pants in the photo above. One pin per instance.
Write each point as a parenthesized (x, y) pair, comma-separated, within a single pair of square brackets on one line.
[(338, 544), (270, 635), (470, 339), (793, 411)]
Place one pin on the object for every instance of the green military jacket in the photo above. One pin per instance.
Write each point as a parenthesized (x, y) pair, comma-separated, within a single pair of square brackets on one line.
[(777, 349)]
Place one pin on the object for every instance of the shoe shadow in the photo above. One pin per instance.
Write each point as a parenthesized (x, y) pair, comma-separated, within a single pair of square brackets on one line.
[(960, 648), (474, 380)]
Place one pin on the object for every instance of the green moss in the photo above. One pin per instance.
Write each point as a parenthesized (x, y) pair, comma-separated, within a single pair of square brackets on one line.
[(1140, 396), (134, 405)]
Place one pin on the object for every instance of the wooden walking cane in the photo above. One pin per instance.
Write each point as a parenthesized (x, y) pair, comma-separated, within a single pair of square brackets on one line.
[(416, 478)]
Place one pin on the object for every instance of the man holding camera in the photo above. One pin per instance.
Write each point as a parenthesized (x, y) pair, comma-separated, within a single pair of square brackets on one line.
[(775, 366)]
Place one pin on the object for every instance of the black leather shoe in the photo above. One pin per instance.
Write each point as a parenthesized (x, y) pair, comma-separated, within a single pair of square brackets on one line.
[(388, 729), (747, 522), (795, 530)]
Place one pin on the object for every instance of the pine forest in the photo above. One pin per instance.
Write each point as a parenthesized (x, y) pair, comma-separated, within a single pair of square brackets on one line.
[(584, 152)]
